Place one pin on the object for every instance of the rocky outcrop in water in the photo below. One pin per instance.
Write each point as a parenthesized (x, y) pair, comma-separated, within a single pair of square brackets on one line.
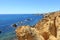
[(46, 29)]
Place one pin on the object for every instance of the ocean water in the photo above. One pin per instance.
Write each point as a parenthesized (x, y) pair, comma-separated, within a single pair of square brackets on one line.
[(6, 21)]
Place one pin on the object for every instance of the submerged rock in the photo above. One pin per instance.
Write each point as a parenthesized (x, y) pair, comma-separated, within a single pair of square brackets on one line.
[(14, 25), (0, 31), (46, 29), (28, 19)]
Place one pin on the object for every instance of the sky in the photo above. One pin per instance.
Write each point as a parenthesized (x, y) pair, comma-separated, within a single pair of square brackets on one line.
[(28, 6)]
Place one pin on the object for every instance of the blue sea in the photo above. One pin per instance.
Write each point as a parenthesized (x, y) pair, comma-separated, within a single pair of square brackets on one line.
[(6, 21)]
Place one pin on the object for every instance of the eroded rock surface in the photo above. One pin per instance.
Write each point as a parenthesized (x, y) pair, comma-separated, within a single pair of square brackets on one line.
[(28, 33), (46, 29)]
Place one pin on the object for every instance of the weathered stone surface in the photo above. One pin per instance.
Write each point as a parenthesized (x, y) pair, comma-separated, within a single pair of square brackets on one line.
[(46, 29), (51, 25), (28, 33)]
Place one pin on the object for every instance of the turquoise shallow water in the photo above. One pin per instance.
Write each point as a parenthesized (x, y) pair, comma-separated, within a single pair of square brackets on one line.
[(6, 20)]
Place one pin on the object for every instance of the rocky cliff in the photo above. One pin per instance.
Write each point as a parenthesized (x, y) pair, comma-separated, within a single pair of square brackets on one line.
[(46, 29)]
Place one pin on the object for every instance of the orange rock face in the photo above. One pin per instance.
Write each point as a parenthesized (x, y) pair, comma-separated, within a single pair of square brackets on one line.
[(23, 33), (28, 33), (46, 29)]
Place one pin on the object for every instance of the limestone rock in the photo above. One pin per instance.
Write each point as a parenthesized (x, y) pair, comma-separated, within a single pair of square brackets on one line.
[(28, 33), (50, 23), (46, 29)]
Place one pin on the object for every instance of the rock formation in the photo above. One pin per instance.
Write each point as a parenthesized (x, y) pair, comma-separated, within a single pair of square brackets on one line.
[(46, 29), (28, 33)]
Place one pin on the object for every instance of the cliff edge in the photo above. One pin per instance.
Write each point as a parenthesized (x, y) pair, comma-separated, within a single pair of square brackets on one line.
[(46, 29)]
